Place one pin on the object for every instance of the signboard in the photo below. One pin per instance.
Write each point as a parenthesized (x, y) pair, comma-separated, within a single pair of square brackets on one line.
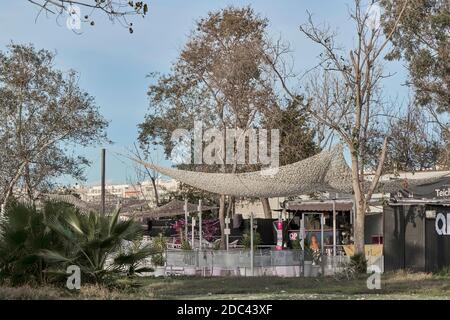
[(442, 224), (436, 190), (293, 235)]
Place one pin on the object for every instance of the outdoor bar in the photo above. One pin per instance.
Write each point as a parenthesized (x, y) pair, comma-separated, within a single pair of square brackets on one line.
[(309, 237)]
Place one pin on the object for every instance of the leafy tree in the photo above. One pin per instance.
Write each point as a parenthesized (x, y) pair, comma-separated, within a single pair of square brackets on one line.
[(422, 39), (219, 79), (297, 137), (414, 144), (44, 112)]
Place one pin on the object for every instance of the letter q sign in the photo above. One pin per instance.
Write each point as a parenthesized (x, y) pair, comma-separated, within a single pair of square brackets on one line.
[(442, 224)]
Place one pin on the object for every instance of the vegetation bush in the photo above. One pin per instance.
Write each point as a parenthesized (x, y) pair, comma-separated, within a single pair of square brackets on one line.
[(444, 272), (37, 244), (159, 246), (359, 263), (185, 245), (246, 240), (24, 235)]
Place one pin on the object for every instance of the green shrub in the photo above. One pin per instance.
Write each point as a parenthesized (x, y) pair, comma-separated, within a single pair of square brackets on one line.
[(24, 236), (296, 245), (185, 245), (38, 244), (130, 258), (359, 263), (444, 272), (246, 239), (159, 246)]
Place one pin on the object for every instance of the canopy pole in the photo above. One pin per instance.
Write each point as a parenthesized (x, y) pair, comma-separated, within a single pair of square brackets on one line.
[(186, 219), (334, 227), (322, 223), (103, 180), (200, 236), (193, 233), (303, 235), (252, 253)]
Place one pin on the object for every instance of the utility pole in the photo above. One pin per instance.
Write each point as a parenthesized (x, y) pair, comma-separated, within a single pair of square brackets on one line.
[(103, 191)]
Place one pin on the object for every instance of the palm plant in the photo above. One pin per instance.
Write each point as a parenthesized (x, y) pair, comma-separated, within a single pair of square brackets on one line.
[(130, 258), (24, 235), (95, 238)]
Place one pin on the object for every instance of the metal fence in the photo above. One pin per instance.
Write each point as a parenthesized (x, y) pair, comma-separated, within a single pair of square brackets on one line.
[(265, 262)]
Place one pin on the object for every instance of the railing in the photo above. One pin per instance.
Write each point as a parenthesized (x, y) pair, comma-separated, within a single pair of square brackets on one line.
[(234, 262), (266, 262)]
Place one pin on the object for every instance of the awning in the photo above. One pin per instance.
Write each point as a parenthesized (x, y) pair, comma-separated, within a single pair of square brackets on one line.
[(325, 171), (319, 206), (171, 209)]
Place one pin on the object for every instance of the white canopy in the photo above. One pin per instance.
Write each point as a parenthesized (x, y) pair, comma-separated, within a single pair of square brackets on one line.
[(326, 171)]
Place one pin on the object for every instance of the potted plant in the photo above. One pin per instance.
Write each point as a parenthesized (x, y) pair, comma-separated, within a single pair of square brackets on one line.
[(158, 260)]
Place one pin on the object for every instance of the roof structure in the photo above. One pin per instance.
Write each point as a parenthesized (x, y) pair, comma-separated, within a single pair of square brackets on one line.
[(326, 171), (125, 205), (171, 209), (346, 205)]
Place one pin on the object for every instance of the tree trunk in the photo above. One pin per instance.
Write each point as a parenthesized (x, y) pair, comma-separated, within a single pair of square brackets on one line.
[(359, 227), (266, 208), (358, 230), (222, 220), (155, 189)]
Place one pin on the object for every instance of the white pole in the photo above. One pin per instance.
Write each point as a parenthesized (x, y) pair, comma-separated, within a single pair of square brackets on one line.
[(251, 244), (186, 214), (200, 236), (334, 227), (227, 234), (193, 233), (322, 223), (302, 233)]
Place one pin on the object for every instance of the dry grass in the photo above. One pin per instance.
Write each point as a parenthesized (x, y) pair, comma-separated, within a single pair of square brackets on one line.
[(398, 285)]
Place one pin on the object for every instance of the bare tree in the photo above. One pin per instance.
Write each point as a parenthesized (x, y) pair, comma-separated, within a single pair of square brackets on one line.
[(151, 174), (115, 10), (352, 80)]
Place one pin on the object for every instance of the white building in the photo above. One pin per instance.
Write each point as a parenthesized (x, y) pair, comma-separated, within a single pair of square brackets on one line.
[(141, 191)]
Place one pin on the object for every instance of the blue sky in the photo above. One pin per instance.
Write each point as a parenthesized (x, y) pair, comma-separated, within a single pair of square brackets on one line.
[(113, 64)]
